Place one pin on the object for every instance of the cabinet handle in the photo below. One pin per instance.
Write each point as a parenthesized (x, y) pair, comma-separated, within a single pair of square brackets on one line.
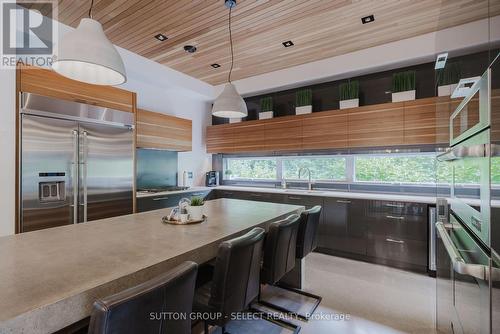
[(395, 217), (160, 198), (343, 201), (295, 198), (197, 194), (256, 195), (399, 206), (395, 241), (227, 193)]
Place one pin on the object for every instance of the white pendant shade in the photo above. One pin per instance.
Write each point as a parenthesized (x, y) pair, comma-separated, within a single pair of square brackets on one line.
[(229, 104), (86, 55)]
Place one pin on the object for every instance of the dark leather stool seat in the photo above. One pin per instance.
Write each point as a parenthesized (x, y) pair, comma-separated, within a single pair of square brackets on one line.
[(235, 281), (131, 311)]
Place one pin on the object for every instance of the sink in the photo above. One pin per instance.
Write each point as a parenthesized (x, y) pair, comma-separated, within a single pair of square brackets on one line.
[(304, 191)]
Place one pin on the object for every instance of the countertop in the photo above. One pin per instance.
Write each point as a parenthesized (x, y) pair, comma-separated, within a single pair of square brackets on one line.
[(332, 193), (49, 279), (174, 192)]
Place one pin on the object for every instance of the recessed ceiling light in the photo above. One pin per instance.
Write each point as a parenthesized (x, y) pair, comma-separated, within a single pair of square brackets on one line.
[(190, 48), (368, 19), (161, 37), (215, 65), (287, 44)]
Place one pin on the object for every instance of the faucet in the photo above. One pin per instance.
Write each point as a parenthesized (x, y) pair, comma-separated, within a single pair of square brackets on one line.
[(309, 183)]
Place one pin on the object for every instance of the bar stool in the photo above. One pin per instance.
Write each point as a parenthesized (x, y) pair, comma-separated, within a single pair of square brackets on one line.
[(143, 308), (235, 282), (307, 240)]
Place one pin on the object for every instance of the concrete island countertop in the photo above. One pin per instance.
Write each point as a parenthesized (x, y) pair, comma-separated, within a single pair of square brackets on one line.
[(49, 279)]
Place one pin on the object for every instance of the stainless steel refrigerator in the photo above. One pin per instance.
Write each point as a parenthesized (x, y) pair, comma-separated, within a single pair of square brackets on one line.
[(468, 234), (76, 160)]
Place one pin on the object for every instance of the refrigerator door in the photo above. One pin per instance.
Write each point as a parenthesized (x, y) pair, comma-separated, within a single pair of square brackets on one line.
[(106, 171), (49, 163)]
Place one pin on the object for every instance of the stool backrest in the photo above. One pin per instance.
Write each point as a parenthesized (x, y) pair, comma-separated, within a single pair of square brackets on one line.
[(142, 309), (237, 272), (279, 252), (307, 239)]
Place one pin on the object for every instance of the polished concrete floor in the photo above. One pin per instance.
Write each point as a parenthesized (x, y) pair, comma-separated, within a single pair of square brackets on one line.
[(361, 298)]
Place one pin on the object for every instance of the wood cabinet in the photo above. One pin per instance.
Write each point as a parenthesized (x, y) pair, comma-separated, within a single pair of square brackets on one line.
[(378, 125), (155, 130), (48, 83), (325, 130), (419, 122)]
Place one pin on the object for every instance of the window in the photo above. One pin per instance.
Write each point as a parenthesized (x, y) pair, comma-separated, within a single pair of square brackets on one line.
[(322, 168), (396, 169), (380, 168), (250, 169)]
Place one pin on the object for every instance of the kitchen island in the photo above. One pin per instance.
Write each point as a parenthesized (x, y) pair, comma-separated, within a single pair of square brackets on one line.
[(49, 279)]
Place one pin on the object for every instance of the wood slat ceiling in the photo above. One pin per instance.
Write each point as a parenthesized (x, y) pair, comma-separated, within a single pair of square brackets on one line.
[(318, 28)]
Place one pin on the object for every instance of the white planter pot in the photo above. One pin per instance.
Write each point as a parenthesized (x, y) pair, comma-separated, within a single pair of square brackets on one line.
[(234, 120), (352, 103), (195, 212), (446, 90), (303, 110), (266, 115), (403, 96)]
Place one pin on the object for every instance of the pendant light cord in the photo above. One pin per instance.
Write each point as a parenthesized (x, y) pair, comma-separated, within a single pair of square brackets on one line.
[(90, 9), (231, 43)]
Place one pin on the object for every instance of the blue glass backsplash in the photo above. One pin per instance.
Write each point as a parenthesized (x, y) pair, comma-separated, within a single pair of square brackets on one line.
[(156, 168)]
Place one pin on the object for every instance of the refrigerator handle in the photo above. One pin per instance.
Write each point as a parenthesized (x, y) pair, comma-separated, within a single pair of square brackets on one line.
[(84, 175), (478, 271), (75, 176)]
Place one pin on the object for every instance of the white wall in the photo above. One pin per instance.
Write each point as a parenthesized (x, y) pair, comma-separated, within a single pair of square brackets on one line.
[(158, 88)]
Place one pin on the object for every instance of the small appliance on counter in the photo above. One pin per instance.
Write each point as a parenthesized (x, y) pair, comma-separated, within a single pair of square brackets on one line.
[(212, 179), (187, 179)]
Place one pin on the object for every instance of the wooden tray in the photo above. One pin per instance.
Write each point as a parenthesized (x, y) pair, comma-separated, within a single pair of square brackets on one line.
[(178, 222)]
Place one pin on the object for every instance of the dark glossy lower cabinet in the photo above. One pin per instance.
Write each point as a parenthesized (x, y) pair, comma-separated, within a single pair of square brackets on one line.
[(387, 232), (343, 227), (167, 200)]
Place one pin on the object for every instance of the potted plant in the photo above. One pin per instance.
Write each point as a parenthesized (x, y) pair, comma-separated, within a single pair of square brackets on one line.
[(266, 108), (195, 208), (448, 79), (303, 102), (403, 86), (229, 174), (349, 94)]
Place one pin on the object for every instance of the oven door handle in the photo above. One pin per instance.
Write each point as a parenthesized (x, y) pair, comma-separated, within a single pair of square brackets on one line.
[(478, 271)]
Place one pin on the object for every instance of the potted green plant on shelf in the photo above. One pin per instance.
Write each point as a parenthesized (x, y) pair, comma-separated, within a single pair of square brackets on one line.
[(303, 102), (349, 94), (229, 174), (448, 79), (403, 86), (195, 208), (266, 108)]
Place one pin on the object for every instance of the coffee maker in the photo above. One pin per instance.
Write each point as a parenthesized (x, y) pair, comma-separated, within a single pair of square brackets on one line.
[(212, 178)]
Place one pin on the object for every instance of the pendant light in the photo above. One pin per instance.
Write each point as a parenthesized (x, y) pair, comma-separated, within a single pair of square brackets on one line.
[(86, 55), (229, 103)]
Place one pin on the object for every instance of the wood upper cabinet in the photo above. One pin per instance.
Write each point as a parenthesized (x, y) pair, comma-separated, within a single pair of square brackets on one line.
[(283, 133), (324, 130), (248, 137), (220, 138), (48, 83), (155, 130), (419, 122), (376, 125)]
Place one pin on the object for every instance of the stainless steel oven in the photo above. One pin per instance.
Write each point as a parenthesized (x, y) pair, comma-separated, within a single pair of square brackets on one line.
[(469, 160)]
